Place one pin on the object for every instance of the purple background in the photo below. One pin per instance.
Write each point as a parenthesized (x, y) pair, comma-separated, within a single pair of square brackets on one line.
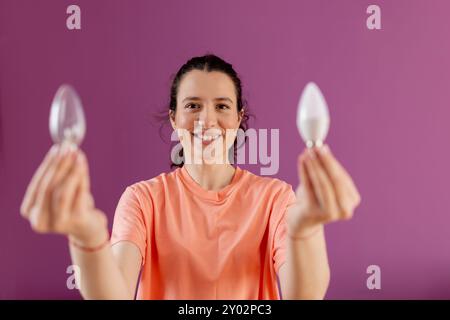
[(387, 91)]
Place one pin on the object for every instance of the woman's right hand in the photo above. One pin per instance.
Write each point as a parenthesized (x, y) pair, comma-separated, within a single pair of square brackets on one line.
[(58, 198)]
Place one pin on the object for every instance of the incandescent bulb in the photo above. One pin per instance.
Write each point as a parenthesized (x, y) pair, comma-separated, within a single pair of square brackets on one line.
[(67, 122), (313, 119)]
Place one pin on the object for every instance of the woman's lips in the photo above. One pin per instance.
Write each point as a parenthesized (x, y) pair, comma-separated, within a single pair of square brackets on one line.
[(206, 138)]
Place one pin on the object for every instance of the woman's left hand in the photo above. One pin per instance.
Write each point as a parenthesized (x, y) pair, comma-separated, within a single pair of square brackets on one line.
[(326, 193)]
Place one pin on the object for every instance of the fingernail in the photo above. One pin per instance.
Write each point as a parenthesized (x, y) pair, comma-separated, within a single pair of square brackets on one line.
[(72, 147), (68, 149), (54, 149), (62, 149), (311, 154), (324, 149)]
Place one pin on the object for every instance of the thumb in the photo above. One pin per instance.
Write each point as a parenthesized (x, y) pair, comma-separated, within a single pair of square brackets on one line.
[(83, 199), (85, 185), (305, 181)]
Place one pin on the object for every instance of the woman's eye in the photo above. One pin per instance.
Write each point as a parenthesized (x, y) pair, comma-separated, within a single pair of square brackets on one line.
[(223, 106), (191, 106)]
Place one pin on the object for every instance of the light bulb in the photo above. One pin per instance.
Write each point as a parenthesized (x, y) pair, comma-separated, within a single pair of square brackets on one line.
[(313, 119), (67, 122)]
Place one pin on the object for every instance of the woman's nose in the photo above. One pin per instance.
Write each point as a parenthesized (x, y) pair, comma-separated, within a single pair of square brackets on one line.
[(208, 117)]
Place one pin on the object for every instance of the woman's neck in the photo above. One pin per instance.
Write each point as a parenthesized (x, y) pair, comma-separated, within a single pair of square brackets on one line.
[(211, 177)]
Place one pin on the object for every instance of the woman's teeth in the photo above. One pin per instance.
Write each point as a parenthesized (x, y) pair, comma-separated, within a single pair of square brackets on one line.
[(207, 137)]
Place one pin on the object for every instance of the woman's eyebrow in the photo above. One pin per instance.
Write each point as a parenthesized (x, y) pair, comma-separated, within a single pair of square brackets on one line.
[(224, 99), (191, 98), (216, 99)]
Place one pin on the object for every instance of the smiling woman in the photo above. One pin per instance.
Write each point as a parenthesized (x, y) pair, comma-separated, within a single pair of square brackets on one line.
[(210, 87), (208, 229)]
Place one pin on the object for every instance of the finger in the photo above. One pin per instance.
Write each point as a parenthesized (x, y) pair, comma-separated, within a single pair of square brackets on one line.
[(38, 220), (30, 193), (63, 199), (64, 167), (305, 179), (83, 194), (312, 174), (83, 163), (55, 173), (339, 181), (42, 205), (337, 173), (323, 187), (82, 201)]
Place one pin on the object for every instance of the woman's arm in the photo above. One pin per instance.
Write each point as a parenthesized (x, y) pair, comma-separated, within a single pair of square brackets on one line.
[(110, 273), (306, 273), (58, 200), (326, 194)]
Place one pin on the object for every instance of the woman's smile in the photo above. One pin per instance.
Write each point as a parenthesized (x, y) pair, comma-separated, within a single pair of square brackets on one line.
[(207, 136), (206, 139)]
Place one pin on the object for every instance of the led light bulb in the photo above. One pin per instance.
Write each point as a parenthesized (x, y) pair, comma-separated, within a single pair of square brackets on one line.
[(67, 122), (313, 119)]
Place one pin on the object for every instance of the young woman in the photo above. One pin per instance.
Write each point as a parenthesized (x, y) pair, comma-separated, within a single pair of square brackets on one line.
[(208, 229)]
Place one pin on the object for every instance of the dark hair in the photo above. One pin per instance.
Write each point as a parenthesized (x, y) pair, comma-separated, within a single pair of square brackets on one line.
[(210, 63)]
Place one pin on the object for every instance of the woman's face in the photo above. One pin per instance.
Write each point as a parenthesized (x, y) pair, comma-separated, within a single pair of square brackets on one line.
[(206, 117)]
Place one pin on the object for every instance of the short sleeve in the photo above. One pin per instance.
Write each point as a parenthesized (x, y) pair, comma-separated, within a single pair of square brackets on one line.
[(129, 221), (283, 202)]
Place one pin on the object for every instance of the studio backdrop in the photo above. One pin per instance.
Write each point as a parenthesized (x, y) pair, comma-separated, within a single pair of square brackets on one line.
[(383, 67)]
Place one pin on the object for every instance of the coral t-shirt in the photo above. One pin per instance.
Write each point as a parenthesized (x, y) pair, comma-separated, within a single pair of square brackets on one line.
[(202, 244)]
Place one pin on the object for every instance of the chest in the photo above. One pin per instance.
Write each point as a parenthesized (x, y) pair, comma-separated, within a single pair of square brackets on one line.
[(206, 236)]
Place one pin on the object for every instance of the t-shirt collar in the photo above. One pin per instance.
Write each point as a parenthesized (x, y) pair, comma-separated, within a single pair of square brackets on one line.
[(216, 196)]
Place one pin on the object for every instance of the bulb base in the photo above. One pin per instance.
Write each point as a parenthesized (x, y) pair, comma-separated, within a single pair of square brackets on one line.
[(312, 144)]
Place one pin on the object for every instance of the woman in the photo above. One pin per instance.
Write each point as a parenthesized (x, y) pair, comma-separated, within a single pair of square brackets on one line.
[(207, 230)]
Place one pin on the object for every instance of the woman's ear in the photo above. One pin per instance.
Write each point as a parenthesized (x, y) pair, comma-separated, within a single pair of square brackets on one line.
[(241, 115), (172, 119)]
